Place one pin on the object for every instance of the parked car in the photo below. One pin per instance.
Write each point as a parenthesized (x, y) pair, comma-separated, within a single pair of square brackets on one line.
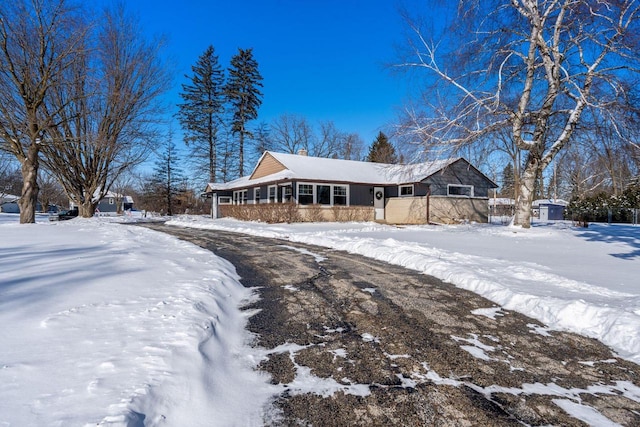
[(64, 215)]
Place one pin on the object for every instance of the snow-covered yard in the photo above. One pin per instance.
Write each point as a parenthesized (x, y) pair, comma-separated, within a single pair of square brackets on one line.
[(102, 323)]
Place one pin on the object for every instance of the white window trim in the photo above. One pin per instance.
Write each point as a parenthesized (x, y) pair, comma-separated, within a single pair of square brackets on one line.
[(225, 200), (285, 187), (256, 195), (240, 197), (333, 194), (400, 187), (459, 195), (275, 198), (315, 192)]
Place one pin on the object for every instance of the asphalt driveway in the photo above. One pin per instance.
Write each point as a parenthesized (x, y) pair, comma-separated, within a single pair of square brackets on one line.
[(396, 347)]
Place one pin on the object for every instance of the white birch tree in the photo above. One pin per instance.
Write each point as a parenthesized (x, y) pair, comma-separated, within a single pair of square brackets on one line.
[(546, 70)]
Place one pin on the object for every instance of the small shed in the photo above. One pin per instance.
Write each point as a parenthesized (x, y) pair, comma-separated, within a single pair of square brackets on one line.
[(551, 212)]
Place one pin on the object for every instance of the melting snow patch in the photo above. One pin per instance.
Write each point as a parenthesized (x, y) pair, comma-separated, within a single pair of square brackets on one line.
[(340, 352), (319, 258), (540, 330), (291, 288), (477, 348), (306, 382), (407, 382), (370, 290), (367, 337), (584, 413)]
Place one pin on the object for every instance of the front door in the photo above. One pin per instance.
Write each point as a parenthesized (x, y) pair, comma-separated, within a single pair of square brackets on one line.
[(378, 203)]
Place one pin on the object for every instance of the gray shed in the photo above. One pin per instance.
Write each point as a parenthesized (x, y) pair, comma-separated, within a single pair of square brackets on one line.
[(551, 212)]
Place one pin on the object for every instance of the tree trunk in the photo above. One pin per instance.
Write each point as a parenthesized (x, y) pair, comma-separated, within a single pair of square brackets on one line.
[(524, 198), (241, 154), (87, 209), (29, 199)]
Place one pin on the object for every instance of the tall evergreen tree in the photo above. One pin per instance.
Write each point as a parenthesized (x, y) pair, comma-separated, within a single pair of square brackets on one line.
[(508, 182), (168, 176), (382, 151), (244, 96), (200, 114)]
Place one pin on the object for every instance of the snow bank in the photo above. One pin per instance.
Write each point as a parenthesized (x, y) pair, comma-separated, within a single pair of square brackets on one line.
[(116, 325)]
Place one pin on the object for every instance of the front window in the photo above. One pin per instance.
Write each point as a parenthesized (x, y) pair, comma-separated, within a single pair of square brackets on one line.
[(240, 197), (340, 195), (324, 194), (111, 201), (256, 195), (286, 194), (273, 194), (305, 194), (224, 200), (460, 190), (406, 190)]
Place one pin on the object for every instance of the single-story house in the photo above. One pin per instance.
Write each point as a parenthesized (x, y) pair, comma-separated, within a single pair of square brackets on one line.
[(9, 204), (112, 203), (442, 191)]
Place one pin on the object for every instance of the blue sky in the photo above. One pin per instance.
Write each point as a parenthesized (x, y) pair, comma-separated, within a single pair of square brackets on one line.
[(321, 59)]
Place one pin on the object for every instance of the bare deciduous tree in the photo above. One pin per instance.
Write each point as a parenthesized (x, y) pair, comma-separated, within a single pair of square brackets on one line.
[(291, 133), (38, 43), (102, 120), (543, 69)]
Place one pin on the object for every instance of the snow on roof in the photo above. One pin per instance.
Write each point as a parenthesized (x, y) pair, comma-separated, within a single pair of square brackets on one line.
[(560, 202), (309, 168), (535, 203), (8, 198), (497, 201)]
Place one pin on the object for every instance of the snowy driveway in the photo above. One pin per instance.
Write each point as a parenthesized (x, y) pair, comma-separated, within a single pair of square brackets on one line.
[(353, 341)]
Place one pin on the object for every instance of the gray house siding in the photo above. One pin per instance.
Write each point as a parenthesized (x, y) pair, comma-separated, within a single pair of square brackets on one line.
[(421, 189), (460, 173), (360, 195), (391, 191), (108, 204)]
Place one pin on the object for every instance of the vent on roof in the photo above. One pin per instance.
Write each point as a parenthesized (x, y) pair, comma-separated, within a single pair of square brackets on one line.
[(302, 152)]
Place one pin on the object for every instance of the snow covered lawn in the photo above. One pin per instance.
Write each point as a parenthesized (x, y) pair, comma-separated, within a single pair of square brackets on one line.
[(102, 323)]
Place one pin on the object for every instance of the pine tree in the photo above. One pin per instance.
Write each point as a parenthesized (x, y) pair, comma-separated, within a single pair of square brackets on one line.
[(168, 176), (508, 182), (381, 151), (201, 113), (244, 96)]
